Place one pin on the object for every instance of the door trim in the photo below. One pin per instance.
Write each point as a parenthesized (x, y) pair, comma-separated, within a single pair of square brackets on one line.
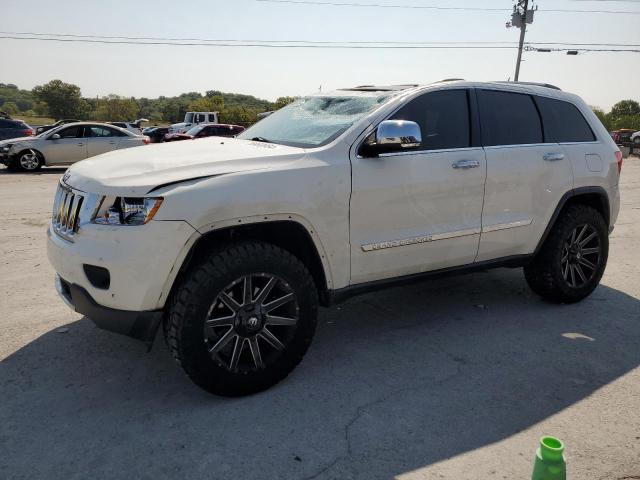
[(403, 242), (505, 226)]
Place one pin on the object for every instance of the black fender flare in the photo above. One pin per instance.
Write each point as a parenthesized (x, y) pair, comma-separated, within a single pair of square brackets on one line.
[(576, 192)]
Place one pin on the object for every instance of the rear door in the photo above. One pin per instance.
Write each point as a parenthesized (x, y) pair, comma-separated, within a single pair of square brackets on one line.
[(565, 124), (526, 174), (69, 148), (102, 139)]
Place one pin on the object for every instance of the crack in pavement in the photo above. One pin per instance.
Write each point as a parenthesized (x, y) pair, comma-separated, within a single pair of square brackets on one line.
[(360, 410)]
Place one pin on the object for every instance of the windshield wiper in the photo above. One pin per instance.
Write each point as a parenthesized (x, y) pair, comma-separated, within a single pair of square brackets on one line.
[(260, 139)]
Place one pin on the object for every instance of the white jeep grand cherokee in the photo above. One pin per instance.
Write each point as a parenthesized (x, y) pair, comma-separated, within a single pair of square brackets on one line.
[(232, 243)]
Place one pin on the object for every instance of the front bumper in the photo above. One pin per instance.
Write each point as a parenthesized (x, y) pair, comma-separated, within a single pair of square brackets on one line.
[(142, 263), (138, 325)]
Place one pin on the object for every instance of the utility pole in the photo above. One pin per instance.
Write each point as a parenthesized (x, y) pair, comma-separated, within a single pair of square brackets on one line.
[(522, 16)]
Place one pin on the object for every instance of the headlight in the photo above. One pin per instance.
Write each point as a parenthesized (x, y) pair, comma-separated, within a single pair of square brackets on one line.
[(126, 210), (6, 148)]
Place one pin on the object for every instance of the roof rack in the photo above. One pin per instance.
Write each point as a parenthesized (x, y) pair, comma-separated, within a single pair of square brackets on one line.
[(380, 88), (535, 84), (450, 80)]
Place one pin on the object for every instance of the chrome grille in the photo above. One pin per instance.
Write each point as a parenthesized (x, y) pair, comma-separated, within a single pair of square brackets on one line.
[(66, 212)]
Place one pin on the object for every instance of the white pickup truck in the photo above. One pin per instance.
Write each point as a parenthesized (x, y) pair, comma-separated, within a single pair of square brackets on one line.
[(193, 118), (232, 243)]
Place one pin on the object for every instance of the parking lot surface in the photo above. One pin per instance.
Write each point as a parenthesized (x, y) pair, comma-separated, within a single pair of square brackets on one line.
[(455, 378)]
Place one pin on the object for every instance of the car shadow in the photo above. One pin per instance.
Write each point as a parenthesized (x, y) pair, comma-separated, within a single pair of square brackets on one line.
[(394, 381)]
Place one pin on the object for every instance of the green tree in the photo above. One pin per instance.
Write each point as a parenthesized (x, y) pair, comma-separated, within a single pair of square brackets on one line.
[(10, 107), (63, 99), (625, 108), (114, 108), (207, 104), (603, 117), (284, 101), (625, 121), (239, 115)]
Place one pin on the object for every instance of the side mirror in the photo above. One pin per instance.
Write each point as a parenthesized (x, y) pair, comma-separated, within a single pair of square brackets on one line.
[(55, 136), (393, 136), (399, 134)]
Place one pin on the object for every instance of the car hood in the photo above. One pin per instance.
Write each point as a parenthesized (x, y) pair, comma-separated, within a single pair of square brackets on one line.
[(136, 171), (18, 140)]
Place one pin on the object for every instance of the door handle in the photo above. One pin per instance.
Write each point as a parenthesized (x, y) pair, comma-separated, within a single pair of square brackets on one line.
[(464, 164), (112, 143), (553, 156), (80, 144)]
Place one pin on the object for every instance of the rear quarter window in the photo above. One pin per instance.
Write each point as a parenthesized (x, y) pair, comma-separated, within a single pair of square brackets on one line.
[(508, 118), (563, 122)]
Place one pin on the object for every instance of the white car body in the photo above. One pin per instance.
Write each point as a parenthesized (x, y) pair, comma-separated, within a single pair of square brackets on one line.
[(635, 139), (56, 148), (370, 220)]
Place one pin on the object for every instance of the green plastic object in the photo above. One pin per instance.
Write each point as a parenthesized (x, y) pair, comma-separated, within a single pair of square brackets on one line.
[(550, 463)]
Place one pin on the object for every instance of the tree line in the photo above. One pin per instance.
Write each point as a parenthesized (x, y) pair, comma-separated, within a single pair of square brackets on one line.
[(58, 100), (624, 114)]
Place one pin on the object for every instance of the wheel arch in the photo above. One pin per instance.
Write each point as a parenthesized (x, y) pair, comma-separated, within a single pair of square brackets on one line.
[(288, 234), (16, 156), (595, 197)]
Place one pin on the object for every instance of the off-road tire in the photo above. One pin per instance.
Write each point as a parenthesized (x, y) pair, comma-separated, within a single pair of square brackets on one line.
[(192, 303), (545, 275)]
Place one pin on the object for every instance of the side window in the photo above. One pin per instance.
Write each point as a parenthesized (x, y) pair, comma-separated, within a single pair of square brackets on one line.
[(508, 118), (117, 133), (200, 117), (443, 118), (71, 132), (100, 132), (212, 117), (563, 122)]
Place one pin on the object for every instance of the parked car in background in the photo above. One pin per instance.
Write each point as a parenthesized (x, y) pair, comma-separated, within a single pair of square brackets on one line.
[(232, 245), (44, 128), (193, 118), (622, 136), (133, 127), (156, 134), (65, 145), (635, 140), (206, 130), (10, 128)]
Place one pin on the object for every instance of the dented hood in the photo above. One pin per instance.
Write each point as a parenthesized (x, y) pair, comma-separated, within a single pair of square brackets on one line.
[(136, 171)]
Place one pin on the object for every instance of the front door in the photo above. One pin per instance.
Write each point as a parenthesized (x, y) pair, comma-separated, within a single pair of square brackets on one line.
[(421, 210), (69, 148)]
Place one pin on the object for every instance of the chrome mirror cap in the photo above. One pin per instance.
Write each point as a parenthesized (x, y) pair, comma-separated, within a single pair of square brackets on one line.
[(400, 134)]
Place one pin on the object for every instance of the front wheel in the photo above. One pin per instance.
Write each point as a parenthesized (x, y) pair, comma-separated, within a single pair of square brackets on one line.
[(28, 161), (572, 260), (243, 319)]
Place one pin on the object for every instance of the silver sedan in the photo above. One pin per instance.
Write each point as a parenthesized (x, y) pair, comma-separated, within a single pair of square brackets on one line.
[(65, 145)]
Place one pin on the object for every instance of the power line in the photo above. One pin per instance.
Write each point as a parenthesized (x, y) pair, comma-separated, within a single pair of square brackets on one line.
[(439, 7), (258, 45), (143, 40), (268, 45)]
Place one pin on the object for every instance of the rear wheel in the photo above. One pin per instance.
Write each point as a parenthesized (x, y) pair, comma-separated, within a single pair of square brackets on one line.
[(572, 260), (28, 161), (243, 319)]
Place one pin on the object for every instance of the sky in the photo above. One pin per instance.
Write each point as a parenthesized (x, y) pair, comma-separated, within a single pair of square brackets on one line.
[(153, 70)]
